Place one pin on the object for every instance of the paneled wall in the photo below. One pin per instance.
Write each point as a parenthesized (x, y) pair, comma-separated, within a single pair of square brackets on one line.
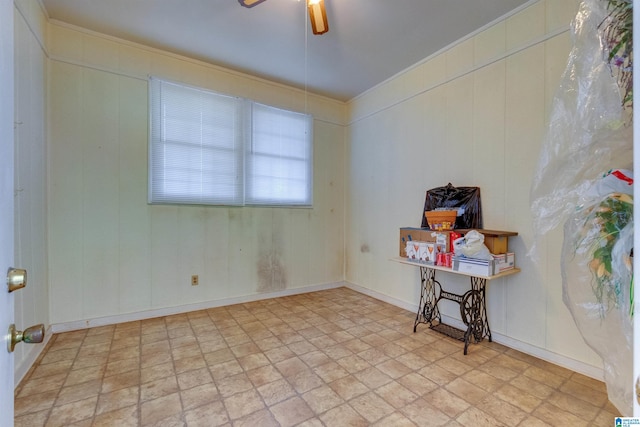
[(112, 254), (473, 115), (31, 302)]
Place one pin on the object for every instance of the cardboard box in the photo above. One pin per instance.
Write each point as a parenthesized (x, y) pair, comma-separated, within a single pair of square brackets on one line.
[(496, 244), (496, 241), (476, 267), (504, 262), (410, 234)]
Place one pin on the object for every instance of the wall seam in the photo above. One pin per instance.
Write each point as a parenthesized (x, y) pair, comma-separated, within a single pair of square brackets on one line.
[(512, 52)]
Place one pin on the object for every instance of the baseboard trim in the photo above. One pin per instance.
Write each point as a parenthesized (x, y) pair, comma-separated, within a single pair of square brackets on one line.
[(557, 359), (168, 311), (32, 355), (532, 350)]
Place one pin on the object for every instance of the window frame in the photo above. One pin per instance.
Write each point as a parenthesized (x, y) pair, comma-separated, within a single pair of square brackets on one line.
[(244, 141)]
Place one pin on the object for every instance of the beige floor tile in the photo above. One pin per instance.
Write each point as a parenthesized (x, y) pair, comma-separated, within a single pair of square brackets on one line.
[(437, 374), (263, 418), (330, 371), (276, 392), (322, 399), (372, 377), (586, 392), (534, 422), (245, 349), (34, 402), (78, 392), (447, 402), (553, 415), (59, 356), (417, 384), (501, 410), (120, 366), (464, 389), (189, 363), (343, 415), (577, 407), (209, 415), (253, 361), (124, 417), (424, 414), (200, 395), (161, 408), (291, 412), (279, 354), (396, 395), (291, 366), (158, 388), (518, 397), (156, 372), (395, 420), (242, 404), (413, 360), (305, 381), (373, 356), (43, 384), (118, 399), (348, 387), (33, 419), (487, 382), (190, 379), (497, 370), (185, 351), (474, 417), (371, 406), (545, 377), (393, 368), (353, 363), (264, 375), (72, 412), (330, 358), (531, 386), (225, 369), (50, 370), (337, 351), (91, 373), (234, 384)]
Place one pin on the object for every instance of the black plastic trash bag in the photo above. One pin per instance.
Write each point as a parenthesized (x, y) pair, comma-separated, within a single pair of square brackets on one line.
[(466, 200)]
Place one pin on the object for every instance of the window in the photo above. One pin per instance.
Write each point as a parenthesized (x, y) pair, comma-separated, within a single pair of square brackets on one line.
[(212, 149)]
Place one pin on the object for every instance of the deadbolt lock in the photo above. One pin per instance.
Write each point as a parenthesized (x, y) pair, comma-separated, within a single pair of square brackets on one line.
[(16, 279), (31, 335)]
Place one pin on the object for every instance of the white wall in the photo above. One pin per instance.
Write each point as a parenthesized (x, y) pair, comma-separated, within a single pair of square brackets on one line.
[(112, 254), (474, 115), (31, 302)]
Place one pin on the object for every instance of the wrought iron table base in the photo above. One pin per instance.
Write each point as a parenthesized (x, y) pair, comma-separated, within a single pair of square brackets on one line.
[(473, 310)]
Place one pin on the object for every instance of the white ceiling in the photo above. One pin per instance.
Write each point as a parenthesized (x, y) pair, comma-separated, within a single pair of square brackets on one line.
[(368, 40)]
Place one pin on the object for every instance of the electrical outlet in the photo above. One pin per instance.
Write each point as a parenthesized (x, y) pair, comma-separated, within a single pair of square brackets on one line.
[(194, 280)]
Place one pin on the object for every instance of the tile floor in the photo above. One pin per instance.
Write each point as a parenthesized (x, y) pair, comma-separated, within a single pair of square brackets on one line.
[(330, 358)]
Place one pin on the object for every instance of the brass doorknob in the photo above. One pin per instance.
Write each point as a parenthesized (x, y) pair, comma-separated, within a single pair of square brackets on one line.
[(16, 279), (31, 335)]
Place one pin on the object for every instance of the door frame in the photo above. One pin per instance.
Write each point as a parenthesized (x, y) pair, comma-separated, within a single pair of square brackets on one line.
[(7, 116)]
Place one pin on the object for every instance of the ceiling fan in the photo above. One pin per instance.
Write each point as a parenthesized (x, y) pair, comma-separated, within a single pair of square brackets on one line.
[(317, 14)]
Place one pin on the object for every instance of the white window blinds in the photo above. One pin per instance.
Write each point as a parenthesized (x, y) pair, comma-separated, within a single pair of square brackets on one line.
[(207, 148), (279, 157)]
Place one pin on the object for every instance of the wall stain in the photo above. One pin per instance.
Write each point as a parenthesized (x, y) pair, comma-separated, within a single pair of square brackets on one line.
[(364, 248), (272, 274)]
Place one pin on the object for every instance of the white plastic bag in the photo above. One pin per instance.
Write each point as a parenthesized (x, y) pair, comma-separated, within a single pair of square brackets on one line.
[(471, 245)]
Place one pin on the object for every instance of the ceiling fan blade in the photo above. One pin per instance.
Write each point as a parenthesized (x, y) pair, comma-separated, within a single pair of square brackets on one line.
[(250, 3), (318, 16)]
